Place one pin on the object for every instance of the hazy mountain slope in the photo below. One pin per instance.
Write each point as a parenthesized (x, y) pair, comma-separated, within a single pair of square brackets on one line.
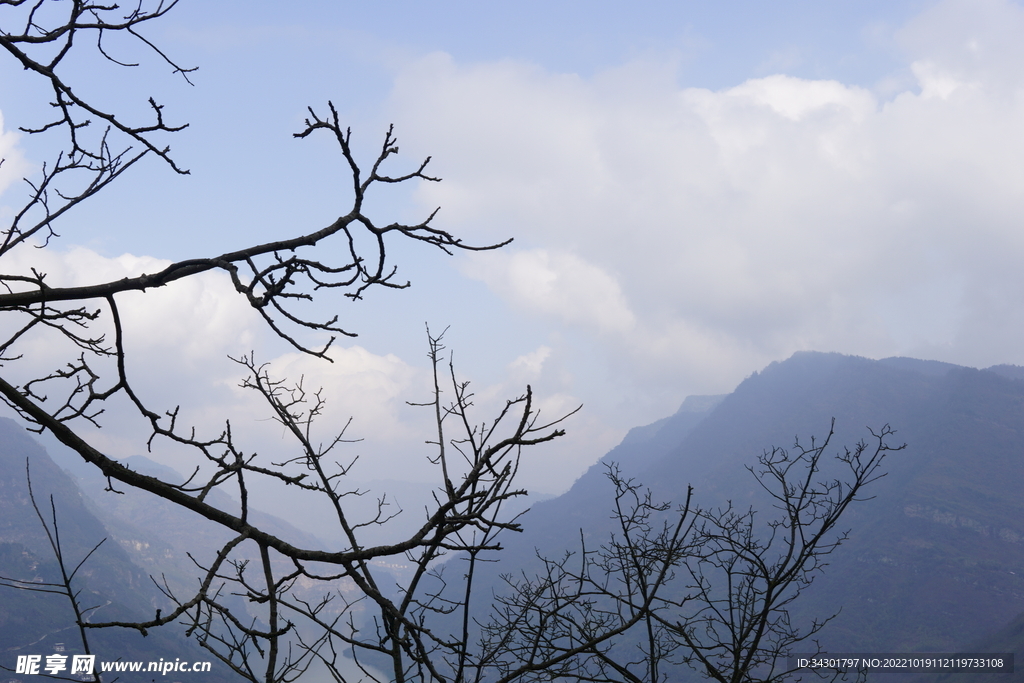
[(935, 561), (552, 526), (158, 534), (145, 537), (1010, 638), (929, 561), (33, 622), (162, 538)]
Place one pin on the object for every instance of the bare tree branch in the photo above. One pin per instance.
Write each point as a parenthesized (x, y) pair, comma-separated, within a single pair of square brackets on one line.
[(671, 585)]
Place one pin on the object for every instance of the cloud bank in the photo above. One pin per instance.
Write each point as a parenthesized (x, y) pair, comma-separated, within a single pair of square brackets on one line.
[(700, 234), (670, 240)]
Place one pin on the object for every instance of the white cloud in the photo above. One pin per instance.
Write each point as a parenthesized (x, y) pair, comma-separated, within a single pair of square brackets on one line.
[(195, 321), (529, 365), (557, 284), (178, 340), (933, 81), (970, 41), (706, 233), (369, 388), (796, 99), (672, 239), (14, 166)]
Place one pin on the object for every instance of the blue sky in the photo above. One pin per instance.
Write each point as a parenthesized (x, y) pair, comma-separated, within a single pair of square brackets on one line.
[(695, 189)]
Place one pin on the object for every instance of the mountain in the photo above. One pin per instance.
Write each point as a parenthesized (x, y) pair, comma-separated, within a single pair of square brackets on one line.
[(144, 538), (34, 622), (934, 562), (159, 535)]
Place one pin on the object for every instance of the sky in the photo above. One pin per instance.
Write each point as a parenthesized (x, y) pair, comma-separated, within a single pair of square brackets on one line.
[(694, 190)]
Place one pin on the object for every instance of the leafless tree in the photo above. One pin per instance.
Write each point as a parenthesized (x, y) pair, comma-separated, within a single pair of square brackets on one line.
[(700, 588), (97, 145), (648, 599), (270, 277), (390, 621), (744, 571), (477, 467), (65, 587), (592, 614)]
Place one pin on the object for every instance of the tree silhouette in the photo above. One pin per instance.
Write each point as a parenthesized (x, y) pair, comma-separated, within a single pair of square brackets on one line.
[(652, 586)]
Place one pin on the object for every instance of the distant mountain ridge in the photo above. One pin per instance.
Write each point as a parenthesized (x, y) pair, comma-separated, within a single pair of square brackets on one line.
[(933, 564)]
